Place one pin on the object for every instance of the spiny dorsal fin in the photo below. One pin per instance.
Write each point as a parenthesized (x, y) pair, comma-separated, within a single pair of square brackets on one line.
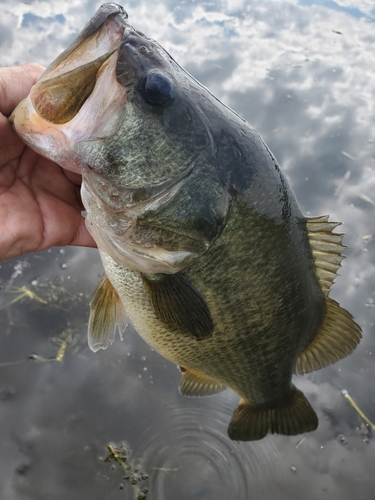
[(106, 312), (326, 249), (337, 337), (196, 384)]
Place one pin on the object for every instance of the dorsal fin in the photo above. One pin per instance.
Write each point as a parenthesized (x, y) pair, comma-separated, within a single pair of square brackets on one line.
[(337, 337), (326, 248), (338, 334)]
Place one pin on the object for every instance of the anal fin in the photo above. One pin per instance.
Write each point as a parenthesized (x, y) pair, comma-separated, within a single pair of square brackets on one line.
[(178, 305), (294, 416), (337, 337), (196, 384), (106, 313)]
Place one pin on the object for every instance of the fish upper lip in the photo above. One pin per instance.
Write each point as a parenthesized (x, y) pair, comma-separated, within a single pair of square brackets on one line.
[(92, 44)]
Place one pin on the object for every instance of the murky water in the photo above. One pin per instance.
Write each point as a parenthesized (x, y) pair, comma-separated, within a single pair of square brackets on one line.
[(112, 425)]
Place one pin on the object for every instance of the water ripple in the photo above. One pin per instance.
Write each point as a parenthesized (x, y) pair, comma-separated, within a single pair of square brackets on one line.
[(189, 456)]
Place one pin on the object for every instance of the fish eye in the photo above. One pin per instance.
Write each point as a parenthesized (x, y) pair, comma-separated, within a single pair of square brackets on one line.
[(157, 89)]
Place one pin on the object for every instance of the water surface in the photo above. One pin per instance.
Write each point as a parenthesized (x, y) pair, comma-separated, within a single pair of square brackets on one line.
[(303, 73)]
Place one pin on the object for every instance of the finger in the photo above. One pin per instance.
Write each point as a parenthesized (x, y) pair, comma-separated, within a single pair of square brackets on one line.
[(11, 145), (15, 84)]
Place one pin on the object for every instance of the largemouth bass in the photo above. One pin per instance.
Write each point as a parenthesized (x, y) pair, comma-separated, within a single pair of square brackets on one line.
[(204, 247)]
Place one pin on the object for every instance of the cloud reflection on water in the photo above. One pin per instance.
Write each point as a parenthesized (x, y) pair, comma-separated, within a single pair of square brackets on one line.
[(304, 75)]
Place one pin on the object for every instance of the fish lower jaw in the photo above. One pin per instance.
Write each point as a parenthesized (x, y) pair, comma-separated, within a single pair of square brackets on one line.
[(42, 136)]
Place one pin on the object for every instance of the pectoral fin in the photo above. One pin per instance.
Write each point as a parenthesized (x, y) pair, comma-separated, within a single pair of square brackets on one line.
[(106, 313), (178, 305), (196, 384)]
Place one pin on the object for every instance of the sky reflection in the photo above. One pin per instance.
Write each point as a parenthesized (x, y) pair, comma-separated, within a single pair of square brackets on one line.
[(303, 73), (355, 8)]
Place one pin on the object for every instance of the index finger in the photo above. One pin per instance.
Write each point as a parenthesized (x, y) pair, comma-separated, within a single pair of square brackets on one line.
[(15, 84)]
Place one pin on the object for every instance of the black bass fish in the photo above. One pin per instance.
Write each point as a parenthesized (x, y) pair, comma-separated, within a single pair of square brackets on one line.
[(204, 247)]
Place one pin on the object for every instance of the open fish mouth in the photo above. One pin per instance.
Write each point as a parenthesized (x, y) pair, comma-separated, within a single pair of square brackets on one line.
[(78, 97), (72, 78)]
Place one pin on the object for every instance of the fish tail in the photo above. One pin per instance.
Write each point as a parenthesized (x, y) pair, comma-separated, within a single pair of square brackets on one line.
[(250, 423)]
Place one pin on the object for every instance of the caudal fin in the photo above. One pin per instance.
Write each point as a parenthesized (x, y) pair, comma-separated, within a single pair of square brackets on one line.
[(250, 423)]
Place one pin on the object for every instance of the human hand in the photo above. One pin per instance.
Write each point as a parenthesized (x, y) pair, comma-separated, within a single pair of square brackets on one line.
[(40, 203)]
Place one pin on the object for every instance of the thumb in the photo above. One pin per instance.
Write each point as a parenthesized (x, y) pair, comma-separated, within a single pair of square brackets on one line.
[(15, 84)]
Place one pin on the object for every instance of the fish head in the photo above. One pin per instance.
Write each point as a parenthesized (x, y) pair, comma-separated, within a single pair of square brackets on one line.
[(116, 107)]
